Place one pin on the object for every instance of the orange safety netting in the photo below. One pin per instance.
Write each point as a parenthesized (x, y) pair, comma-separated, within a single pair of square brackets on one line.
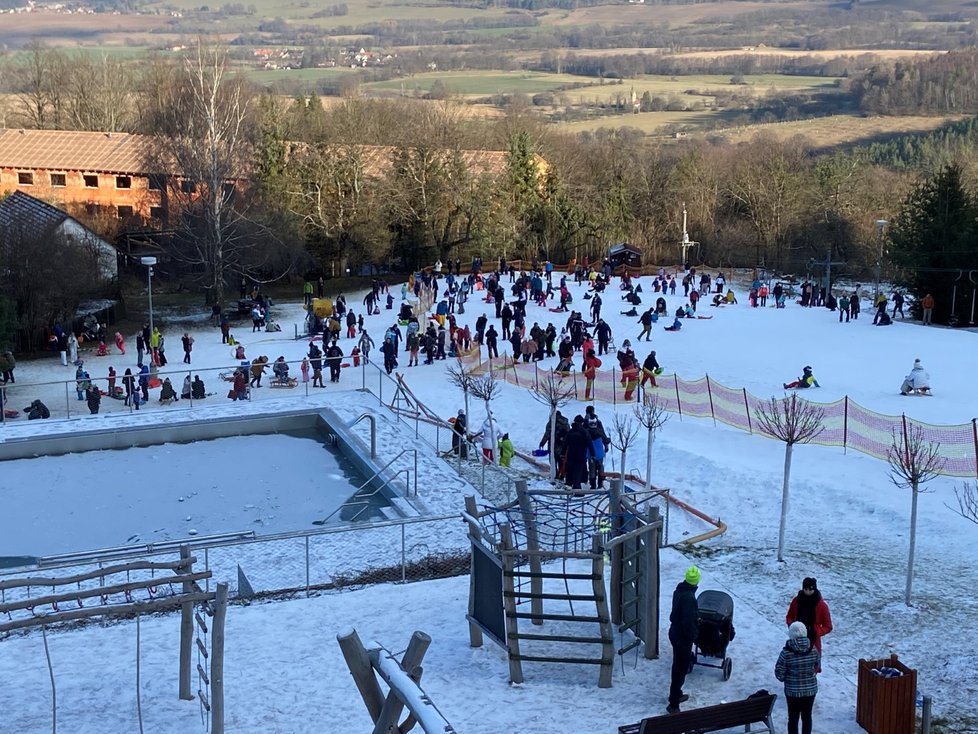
[(846, 424)]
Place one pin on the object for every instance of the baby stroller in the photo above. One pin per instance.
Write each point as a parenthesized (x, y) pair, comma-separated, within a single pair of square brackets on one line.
[(716, 630)]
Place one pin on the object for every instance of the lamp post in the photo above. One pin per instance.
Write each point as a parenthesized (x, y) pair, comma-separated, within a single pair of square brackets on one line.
[(880, 226), (149, 261)]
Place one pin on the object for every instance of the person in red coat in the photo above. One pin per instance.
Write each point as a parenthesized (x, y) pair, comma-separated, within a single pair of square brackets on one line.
[(810, 608)]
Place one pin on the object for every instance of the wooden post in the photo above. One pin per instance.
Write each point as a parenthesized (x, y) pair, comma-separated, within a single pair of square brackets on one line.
[(649, 561), (604, 618), (475, 633), (750, 428), (186, 627), (358, 661), (509, 597), (614, 509), (411, 660), (217, 659), (532, 543), (709, 392)]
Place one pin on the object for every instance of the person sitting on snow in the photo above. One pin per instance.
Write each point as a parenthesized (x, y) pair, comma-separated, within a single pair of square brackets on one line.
[(280, 369), (918, 381), (807, 379)]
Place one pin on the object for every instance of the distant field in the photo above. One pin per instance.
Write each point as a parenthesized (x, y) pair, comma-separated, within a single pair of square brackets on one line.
[(650, 123), (825, 132), (267, 76), (827, 55), (828, 132), (679, 14), (480, 84)]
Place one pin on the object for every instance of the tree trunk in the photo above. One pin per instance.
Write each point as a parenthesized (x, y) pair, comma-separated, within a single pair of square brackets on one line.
[(648, 462), (623, 465), (913, 543), (553, 443), (784, 500)]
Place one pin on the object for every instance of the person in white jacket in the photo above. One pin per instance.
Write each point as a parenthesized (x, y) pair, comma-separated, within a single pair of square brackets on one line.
[(488, 441), (918, 381)]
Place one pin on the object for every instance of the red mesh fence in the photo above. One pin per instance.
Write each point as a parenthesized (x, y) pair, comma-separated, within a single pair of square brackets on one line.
[(845, 424)]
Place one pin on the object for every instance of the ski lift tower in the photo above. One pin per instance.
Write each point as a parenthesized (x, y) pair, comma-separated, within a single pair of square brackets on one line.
[(686, 243)]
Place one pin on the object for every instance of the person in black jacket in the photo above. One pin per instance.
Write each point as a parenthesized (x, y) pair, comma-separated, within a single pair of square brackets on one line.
[(578, 449), (683, 629)]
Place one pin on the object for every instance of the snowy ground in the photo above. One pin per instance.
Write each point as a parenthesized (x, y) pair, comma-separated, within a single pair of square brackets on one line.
[(848, 527)]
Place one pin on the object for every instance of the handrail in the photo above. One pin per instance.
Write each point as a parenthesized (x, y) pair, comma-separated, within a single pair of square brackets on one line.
[(372, 477), (373, 431)]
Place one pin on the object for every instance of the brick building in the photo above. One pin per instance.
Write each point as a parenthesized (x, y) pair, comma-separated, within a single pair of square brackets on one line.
[(77, 169)]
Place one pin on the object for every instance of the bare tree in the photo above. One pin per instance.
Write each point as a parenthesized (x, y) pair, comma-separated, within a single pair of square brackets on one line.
[(555, 394), (913, 461), (36, 78), (99, 93), (198, 113), (486, 388), (651, 413), (793, 421), (967, 502), (462, 378), (623, 435)]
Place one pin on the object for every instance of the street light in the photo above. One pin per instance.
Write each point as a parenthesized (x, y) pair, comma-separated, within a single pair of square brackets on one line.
[(149, 261), (880, 225)]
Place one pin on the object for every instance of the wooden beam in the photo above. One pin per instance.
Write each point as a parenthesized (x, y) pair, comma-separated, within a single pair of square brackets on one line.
[(74, 596), (411, 660), (217, 659), (119, 610), (105, 571), (358, 661)]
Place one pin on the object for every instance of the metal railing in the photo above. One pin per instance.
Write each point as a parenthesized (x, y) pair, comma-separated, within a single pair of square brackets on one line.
[(385, 551), (364, 499)]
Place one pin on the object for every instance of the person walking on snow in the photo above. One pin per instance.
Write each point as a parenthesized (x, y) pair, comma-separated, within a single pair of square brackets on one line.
[(366, 344), (188, 345), (683, 630)]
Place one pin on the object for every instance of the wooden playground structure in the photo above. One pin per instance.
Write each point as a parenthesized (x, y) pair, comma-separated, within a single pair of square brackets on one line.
[(202, 615), (531, 551)]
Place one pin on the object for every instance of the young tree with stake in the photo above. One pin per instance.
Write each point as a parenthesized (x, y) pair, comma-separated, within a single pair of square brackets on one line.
[(913, 462), (555, 394), (463, 379), (652, 415), (793, 421), (486, 388), (623, 435)]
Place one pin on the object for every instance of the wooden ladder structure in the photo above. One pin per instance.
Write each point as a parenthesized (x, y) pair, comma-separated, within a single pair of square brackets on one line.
[(536, 576)]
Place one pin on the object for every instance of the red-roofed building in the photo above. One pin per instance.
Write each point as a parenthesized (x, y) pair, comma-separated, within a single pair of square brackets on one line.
[(77, 168)]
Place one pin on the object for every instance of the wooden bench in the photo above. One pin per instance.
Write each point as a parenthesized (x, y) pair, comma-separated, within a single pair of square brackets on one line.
[(755, 709)]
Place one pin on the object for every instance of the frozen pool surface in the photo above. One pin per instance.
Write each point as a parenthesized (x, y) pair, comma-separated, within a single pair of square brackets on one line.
[(100, 499)]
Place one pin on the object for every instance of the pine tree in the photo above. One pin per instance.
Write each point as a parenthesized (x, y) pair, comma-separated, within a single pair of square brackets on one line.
[(934, 238)]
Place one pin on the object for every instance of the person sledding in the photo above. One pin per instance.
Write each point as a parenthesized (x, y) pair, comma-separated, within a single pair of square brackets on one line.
[(807, 379), (917, 382)]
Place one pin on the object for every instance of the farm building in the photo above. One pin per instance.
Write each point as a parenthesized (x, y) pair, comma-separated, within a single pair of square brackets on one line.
[(22, 216)]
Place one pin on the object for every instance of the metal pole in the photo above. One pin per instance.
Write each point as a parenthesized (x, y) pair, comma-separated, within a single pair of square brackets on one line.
[(925, 715)]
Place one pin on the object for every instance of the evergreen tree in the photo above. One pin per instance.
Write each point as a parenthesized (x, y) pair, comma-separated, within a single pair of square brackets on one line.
[(933, 241)]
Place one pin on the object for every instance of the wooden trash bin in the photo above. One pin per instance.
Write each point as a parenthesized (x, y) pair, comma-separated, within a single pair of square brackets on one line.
[(886, 705)]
